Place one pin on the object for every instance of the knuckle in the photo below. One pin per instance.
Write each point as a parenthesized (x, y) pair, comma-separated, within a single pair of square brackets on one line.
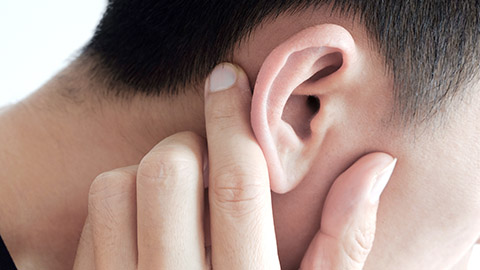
[(106, 191), (237, 200), (225, 119), (110, 184), (168, 169), (358, 248), (186, 138), (237, 191)]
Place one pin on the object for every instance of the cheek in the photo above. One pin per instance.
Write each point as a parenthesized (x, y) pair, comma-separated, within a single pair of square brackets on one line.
[(428, 216)]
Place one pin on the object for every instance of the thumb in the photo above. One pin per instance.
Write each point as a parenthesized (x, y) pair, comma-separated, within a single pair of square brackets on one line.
[(349, 215)]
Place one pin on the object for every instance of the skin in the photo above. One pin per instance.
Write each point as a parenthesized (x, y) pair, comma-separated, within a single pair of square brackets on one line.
[(428, 216), (150, 216)]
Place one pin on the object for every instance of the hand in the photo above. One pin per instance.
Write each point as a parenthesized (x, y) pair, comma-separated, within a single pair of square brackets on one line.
[(151, 216)]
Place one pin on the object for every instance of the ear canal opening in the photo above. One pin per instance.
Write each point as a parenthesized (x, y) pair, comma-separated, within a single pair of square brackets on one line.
[(313, 103), (301, 109), (299, 112), (333, 60)]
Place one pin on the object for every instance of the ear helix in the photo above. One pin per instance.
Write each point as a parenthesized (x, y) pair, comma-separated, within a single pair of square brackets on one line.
[(283, 134)]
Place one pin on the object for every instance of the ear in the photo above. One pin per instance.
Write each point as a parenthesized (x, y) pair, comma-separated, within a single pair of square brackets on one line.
[(288, 116)]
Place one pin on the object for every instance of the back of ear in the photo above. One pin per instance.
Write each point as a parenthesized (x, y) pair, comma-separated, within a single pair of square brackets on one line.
[(287, 112)]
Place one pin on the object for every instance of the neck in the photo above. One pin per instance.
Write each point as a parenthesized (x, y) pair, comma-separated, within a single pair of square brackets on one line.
[(57, 141)]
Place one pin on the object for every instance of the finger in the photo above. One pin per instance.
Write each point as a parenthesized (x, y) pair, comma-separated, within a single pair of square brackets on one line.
[(85, 258), (170, 204), (242, 230), (348, 221), (111, 209)]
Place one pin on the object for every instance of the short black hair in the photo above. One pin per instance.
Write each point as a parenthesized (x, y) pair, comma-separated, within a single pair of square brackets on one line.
[(157, 47)]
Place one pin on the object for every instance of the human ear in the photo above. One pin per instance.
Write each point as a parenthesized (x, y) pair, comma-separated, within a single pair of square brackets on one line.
[(289, 112)]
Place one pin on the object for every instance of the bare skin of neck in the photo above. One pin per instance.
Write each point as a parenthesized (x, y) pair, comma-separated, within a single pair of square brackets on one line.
[(54, 144)]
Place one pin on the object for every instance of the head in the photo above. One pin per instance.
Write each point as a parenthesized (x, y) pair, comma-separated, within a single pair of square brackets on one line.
[(332, 80)]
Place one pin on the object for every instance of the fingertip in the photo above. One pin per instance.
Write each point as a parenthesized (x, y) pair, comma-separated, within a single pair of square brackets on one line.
[(350, 212), (355, 190), (375, 160), (222, 77), (226, 76), (381, 180), (367, 168), (375, 170), (227, 102)]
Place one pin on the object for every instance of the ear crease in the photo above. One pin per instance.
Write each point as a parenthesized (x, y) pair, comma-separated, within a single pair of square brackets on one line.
[(328, 65)]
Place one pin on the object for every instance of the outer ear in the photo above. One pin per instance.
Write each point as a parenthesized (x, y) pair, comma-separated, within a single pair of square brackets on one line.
[(287, 115)]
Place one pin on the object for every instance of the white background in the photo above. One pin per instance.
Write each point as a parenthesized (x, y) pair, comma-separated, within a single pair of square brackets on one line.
[(39, 37)]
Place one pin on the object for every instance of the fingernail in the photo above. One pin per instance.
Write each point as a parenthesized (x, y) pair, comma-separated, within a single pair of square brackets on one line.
[(222, 77), (381, 181)]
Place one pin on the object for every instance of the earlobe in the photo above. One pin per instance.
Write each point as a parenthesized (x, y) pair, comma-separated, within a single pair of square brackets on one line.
[(298, 71)]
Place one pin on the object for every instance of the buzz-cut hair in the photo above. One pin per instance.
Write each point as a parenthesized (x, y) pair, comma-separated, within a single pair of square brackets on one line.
[(157, 47)]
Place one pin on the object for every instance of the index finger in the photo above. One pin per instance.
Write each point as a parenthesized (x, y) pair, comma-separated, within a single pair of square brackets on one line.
[(242, 230)]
